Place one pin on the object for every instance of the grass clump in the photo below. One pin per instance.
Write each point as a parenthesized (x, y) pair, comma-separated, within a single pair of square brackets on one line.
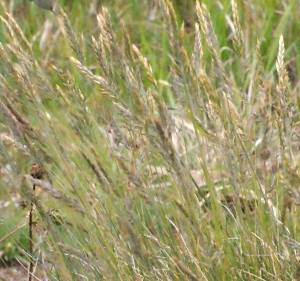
[(173, 161)]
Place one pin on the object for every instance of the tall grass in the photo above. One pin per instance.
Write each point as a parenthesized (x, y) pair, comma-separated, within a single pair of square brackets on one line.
[(169, 159)]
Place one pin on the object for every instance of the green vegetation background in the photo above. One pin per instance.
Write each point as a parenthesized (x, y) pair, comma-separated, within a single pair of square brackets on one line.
[(175, 159)]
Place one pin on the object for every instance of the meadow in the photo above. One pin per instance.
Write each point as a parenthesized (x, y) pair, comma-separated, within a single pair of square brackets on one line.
[(150, 140)]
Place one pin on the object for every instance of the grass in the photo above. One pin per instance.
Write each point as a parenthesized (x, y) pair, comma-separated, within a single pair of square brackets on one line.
[(168, 153)]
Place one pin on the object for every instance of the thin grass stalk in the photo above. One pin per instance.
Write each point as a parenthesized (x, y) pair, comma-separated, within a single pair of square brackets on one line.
[(30, 225), (36, 173), (13, 232), (57, 194)]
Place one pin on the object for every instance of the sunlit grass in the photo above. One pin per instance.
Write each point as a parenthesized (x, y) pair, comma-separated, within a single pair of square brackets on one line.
[(169, 153)]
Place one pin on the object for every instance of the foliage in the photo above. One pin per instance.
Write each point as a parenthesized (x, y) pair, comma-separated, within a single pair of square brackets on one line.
[(171, 150)]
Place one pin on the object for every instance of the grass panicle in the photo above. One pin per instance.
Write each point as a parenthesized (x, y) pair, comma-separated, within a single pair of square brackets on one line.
[(238, 37)]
